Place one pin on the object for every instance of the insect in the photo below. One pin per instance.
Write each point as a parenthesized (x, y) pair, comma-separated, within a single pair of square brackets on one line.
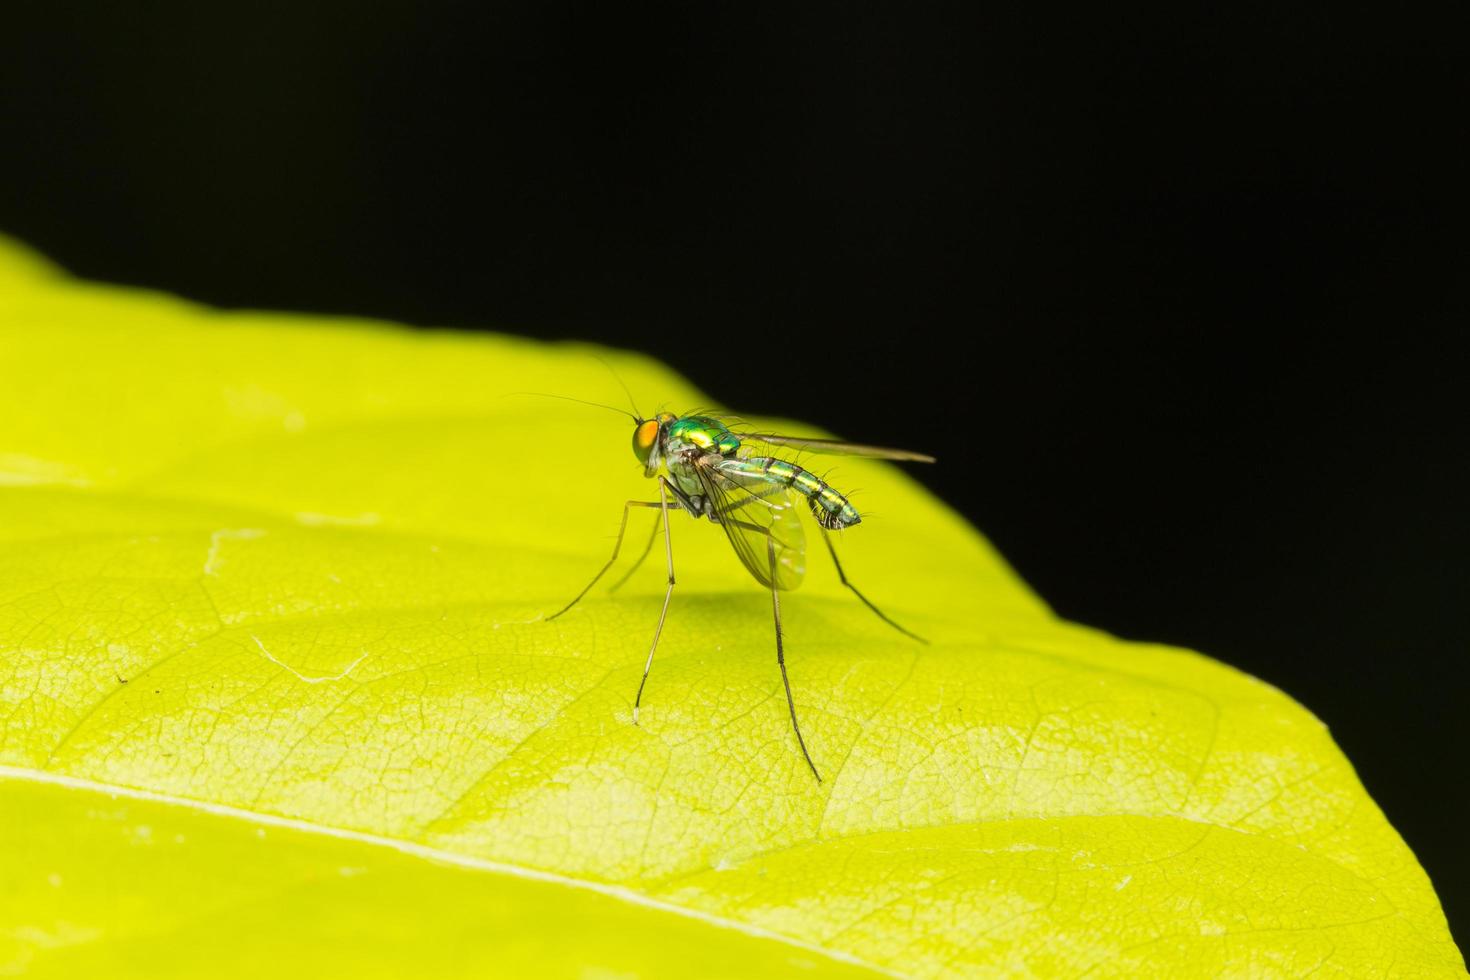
[(741, 482)]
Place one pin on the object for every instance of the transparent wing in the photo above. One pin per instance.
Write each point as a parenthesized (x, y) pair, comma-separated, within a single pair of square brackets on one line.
[(833, 447), (761, 519)]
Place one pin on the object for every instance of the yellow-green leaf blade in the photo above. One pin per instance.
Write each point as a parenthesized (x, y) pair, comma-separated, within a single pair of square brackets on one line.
[(298, 568), (120, 885)]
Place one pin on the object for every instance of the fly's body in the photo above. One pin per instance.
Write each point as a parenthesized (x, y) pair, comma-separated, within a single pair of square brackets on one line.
[(689, 438), (741, 482)]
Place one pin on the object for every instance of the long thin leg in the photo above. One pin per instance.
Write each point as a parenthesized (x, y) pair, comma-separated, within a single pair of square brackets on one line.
[(663, 497), (780, 644), (647, 550), (827, 540), (781, 657), (652, 537), (622, 529)]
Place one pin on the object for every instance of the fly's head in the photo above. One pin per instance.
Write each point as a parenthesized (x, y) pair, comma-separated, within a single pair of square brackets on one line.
[(650, 438)]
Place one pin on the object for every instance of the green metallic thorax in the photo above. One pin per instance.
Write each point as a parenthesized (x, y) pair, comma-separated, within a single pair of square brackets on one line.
[(699, 432)]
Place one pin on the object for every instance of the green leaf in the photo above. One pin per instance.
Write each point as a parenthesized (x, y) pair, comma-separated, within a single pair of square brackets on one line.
[(277, 697)]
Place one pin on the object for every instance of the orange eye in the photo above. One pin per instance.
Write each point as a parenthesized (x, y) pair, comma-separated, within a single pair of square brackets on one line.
[(644, 438)]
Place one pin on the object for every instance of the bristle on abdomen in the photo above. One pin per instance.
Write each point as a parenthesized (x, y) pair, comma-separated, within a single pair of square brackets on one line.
[(830, 508)]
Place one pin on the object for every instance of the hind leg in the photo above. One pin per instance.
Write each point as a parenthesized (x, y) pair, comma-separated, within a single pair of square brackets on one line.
[(827, 540)]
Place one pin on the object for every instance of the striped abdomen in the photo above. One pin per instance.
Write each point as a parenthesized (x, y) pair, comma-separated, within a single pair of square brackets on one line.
[(829, 507)]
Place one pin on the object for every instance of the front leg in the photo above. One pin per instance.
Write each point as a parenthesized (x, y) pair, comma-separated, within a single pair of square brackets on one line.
[(664, 504), (664, 486), (694, 505)]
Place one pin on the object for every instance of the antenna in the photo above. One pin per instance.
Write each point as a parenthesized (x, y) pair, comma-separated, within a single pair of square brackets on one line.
[(619, 379), (579, 401)]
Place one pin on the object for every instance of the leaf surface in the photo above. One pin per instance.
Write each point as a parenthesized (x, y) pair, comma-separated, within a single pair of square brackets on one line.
[(277, 694)]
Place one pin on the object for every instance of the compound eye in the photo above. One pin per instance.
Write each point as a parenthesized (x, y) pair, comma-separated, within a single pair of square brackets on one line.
[(644, 439)]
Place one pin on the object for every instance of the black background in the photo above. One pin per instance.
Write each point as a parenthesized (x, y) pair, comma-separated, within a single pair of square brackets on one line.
[(1170, 293)]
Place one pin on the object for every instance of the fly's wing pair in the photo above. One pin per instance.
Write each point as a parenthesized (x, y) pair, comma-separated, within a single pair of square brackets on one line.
[(760, 517), (833, 447)]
